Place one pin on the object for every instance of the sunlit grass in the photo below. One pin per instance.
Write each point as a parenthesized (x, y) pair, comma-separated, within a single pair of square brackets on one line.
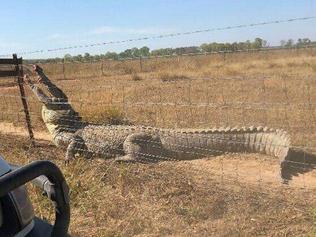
[(174, 199)]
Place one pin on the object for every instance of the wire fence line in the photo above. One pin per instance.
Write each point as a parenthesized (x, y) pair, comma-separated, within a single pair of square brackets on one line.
[(202, 133), (129, 98), (204, 53), (145, 38), (231, 131), (179, 115), (235, 104), (68, 70), (198, 116)]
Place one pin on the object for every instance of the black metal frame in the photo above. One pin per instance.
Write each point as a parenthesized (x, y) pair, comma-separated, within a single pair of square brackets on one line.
[(58, 194)]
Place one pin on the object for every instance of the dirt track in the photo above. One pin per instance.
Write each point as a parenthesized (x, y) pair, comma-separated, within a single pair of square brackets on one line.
[(242, 168), (9, 128)]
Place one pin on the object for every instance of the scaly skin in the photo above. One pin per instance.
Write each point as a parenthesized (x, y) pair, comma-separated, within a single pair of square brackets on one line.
[(148, 143), (138, 143)]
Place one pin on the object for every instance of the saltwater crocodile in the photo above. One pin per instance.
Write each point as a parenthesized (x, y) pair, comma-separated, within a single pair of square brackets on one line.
[(140, 143)]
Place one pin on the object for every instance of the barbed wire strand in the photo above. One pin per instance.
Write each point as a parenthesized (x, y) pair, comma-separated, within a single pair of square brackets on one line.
[(89, 45), (195, 150)]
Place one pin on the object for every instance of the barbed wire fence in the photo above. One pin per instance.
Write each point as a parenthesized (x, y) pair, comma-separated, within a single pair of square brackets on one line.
[(171, 101), (162, 36), (134, 65), (180, 105)]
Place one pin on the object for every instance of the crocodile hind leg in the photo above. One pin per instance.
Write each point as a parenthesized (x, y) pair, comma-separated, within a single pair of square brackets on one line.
[(141, 147)]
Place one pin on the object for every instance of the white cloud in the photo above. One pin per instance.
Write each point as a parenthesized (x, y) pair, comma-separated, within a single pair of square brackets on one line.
[(55, 36), (6, 46), (69, 38), (137, 31)]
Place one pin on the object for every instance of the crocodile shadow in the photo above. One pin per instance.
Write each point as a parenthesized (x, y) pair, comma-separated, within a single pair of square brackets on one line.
[(297, 162)]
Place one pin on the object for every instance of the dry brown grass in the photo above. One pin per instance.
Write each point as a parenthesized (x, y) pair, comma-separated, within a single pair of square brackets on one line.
[(192, 198), (136, 77), (168, 199), (238, 91)]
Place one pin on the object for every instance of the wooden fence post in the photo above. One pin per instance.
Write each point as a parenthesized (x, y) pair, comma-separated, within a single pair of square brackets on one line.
[(140, 63), (19, 71), (64, 69)]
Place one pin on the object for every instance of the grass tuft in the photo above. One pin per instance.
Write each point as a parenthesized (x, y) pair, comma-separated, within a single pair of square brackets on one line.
[(168, 77), (136, 77)]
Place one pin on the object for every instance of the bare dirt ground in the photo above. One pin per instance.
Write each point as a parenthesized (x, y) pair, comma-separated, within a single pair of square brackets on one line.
[(10, 128)]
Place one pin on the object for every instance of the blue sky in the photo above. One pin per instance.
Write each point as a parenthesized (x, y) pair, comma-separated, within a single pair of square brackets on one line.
[(28, 25)]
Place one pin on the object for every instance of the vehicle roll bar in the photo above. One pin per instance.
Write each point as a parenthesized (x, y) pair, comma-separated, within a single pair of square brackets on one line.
[(49, 177)]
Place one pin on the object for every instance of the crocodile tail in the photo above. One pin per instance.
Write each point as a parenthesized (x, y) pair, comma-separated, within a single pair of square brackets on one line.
[(274, 142), (269, 141)]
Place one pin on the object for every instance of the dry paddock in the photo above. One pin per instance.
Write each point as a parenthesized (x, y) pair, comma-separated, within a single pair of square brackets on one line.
[(227, 195)]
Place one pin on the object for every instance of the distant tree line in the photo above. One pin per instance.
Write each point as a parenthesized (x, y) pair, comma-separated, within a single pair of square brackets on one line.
[(204, 48)]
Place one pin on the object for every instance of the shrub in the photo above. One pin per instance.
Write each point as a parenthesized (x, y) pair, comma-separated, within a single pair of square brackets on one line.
[(136, 77), (167, 77)]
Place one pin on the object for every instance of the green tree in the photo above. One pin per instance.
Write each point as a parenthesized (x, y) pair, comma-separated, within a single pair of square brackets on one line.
[(135, 52), (206, 47), (128, 53), (78, 58), (97, 57), (162, 52), (68, 57), (87, 57), (111, 55), (306, 41), (257, 44), (144, 51), (289, 43)]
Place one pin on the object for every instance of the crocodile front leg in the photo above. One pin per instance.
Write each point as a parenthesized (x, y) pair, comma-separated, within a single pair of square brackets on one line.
[(142, 147), (76, 146)]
